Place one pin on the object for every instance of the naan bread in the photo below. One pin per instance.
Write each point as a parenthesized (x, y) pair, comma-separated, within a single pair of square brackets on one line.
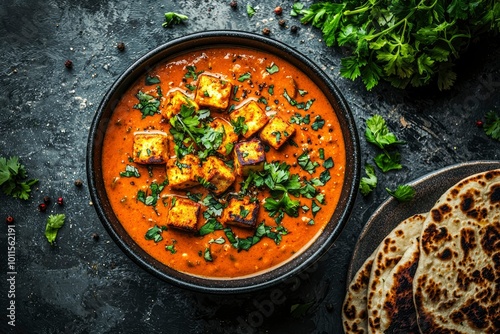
[(354, 315), (457, 283), (389, 253), (398, 314)]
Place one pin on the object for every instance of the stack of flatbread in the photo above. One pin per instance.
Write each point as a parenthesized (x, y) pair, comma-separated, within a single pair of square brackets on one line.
[(436, 272)]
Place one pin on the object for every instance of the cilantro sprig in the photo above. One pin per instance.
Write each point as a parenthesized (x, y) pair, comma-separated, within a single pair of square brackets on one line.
[(377, 133), (13, 180), (172, 18), (54, 223), (407, 43), (492, 125)]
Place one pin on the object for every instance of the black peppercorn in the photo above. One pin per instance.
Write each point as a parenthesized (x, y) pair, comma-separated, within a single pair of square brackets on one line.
[(68, 64), (233, 4), (46, 200), (120, 46), (95, 236), (294, 29), (78, 182)]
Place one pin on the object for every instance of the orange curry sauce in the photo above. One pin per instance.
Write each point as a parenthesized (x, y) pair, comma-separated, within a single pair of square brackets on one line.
[(227, 261)]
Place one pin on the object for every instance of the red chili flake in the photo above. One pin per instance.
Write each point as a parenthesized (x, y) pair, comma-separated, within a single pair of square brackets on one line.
[(68, 64), (60, 201), (9, 220), (479, 123), (42, 207), (278, 10)]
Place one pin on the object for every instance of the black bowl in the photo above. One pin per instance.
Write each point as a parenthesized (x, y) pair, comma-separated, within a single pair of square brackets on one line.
[(204, 40)]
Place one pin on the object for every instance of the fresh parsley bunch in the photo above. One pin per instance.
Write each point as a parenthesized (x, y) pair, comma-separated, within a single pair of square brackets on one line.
[(13, 178), (406, 42)]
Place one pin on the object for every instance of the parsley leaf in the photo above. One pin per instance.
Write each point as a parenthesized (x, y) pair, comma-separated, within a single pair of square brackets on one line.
[(250, 10), (368, 182), (54, 223), (12, 178), (492, 125), (403, 42), (377, 133), (403, 193), (172, 18)]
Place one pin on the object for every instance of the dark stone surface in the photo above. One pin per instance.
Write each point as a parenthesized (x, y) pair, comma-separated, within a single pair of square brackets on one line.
[(85, 285)]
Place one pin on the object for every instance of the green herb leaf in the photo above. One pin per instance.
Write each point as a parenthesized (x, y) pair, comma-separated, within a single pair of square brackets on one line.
[(403, 193), (368, 183), (13, 178), (305, 162), (152, 80), (492, 125), (54, 223), (272, 69), (148, 105), (244, 76), (172, 18), (130, 171), (154, 233), (378, 133), (171, 248), (250, 10)]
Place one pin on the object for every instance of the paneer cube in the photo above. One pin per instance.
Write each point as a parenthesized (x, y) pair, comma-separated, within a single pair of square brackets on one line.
[(229, 136), (249, 156), (183, 173), (254, 117), (218, 174), (183, 214), (241, 212), (174, 102), (277, 132), (213, 92), (150, 147)]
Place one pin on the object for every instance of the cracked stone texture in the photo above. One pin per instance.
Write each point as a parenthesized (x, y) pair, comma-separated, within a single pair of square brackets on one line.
[(85, 285)]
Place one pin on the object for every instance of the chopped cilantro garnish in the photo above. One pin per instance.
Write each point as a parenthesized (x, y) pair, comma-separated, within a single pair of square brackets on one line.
[(272, 69), (245, 76), (148, 105), (130, 171)]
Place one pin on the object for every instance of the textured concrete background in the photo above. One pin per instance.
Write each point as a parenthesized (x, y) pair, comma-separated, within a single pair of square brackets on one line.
[(85, 285)]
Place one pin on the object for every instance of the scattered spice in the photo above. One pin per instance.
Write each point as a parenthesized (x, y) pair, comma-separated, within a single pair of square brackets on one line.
[(60, 201), (282, 22), (78, 182), (479, 123), (42, 207), (121, 46), (294, 29), (46, 200), (278, 10), (233, 4), (95, 236), (266, 31), (68, 64), (9, 220)]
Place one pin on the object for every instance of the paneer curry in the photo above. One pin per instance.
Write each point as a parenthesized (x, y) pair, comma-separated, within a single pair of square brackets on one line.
[(224, 162)]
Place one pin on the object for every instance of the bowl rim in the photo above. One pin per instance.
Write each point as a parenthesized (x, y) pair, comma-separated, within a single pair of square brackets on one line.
[(267, 278)]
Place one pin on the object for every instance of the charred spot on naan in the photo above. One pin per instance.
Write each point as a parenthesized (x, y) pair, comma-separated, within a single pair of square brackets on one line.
[(490, 238), (495, 194), (432, 236)]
